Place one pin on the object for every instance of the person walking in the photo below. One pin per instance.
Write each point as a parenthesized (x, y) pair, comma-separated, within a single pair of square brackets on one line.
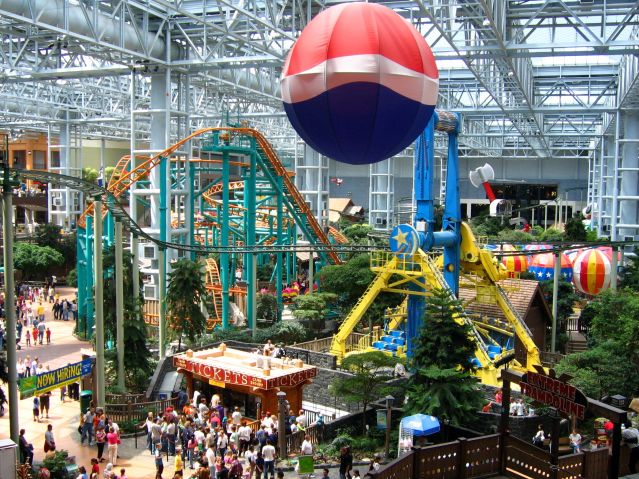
[(268, 453), (36, 409), (87, 426), (100, 440), (112, 447), (345, 462), (44, 403), (159, 463)]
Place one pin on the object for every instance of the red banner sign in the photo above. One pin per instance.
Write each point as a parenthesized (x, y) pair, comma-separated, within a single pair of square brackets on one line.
[(567, 399), (219, 374)]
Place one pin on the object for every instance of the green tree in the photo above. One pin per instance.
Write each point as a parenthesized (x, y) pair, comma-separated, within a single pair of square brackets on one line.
[(370, 372), (566, 298), (90, 174), (185, 291), (266, 307), (51, 235), (443, 384), (611, 366), (137, 366), (309, 308), (575, 229), (514, 236), (552, 234), (630, 272), (35, 261), (349, 281), (484, 225)]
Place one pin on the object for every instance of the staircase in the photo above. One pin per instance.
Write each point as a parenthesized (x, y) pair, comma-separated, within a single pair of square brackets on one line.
[(393, 342), (577, 342)]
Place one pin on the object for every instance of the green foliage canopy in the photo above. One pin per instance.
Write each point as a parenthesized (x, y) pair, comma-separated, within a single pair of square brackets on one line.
[(136, 352), (349, 282), (575, 229), (611, 366), (443, 384), (185, 291), (35, 261), (370, 372)]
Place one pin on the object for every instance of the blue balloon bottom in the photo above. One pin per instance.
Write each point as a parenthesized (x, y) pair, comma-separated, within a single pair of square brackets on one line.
[(359, 123)]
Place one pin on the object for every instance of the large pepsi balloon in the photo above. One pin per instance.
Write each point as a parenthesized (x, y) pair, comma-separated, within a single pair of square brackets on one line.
[(360, 84)]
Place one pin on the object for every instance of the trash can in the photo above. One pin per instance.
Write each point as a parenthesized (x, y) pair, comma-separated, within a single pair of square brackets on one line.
[(86, 397)]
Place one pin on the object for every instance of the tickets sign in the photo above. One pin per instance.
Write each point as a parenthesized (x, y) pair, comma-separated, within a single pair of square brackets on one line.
[(48, 381), (227, 376)]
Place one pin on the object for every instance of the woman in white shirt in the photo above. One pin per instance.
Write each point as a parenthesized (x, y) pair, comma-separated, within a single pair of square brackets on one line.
[(307, 446)]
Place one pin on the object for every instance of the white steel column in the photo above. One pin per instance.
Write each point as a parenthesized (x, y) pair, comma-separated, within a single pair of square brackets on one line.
[(614, 215), (311, 178), (381, 196), (629, 176)]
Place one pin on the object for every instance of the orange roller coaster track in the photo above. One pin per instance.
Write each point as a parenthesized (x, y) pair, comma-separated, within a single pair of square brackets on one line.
[(140, 172)]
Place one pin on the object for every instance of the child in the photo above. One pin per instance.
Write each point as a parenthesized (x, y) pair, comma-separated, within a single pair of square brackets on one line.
[(48, 336), (36, 409), (34, 333), (356, 474), (178, 464), (122, 474), (27, 338)]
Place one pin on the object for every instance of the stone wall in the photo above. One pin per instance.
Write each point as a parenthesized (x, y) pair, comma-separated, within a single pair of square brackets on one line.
[(318, 391), (321, 360)]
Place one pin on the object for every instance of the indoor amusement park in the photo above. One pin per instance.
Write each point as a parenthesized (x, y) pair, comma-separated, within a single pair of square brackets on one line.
[(236, 245)]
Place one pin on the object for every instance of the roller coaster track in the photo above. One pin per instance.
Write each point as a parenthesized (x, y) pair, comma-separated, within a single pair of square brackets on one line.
[(119, 213), (272, 168), (212, 279)]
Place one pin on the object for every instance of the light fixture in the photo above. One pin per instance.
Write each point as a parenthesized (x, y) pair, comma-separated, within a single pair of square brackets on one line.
[(486, 22), (618, 401)]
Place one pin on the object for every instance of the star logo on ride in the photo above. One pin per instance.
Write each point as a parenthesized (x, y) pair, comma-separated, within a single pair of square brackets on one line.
[(404, 241)]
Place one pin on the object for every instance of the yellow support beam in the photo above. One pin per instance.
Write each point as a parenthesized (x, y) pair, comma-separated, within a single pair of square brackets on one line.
[(338, 346)]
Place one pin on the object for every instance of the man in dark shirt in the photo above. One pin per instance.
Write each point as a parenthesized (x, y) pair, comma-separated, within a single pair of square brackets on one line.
[(26, 448), (345, 462)]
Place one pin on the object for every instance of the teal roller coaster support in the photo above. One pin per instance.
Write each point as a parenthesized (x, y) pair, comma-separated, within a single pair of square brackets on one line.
[(279, 256), (224, 258)]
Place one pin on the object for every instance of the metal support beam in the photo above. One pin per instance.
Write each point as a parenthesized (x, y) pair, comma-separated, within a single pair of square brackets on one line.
[(119, 303), (555, 297), (9, 306), (99, 302)]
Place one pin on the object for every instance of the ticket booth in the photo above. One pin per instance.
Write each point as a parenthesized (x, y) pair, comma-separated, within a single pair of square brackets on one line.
[(250, 381)]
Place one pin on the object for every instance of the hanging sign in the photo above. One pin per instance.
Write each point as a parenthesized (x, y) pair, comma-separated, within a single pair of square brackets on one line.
[(48, 381), (567, 399)]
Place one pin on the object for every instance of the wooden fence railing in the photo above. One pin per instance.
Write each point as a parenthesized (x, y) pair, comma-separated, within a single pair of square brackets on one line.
[(136, 411), (124, 398), (317, 345), (480, 457), (294, 441)]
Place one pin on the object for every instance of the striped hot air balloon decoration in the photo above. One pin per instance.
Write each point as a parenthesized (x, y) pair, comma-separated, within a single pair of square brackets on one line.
[(591, 271), (607, 250), (535, 247), (515, 264), (543, 266), (360, 83)]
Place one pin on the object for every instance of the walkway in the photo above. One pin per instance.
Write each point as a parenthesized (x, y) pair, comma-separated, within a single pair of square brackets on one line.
[(65, 416)]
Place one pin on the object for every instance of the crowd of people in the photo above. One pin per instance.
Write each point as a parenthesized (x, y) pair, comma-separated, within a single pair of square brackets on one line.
[(217, 442)]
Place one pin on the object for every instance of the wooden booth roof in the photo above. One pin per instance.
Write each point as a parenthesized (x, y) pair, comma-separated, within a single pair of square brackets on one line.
[(224, 365), (521, 293)]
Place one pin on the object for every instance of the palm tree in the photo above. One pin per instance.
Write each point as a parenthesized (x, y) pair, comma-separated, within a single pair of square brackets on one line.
[(185, 292)]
